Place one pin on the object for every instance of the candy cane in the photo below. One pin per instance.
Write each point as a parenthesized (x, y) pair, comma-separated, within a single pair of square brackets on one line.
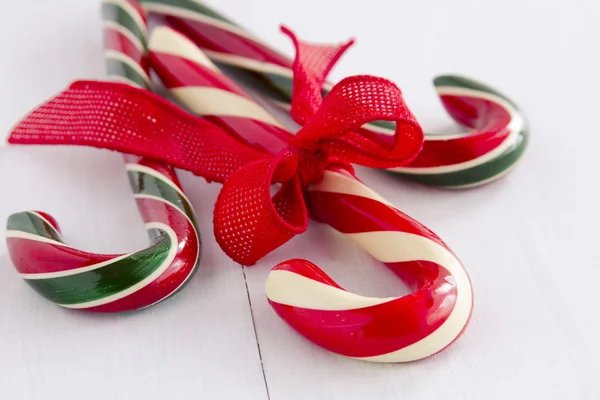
[(110, 283), (498, 133), (382, 330)]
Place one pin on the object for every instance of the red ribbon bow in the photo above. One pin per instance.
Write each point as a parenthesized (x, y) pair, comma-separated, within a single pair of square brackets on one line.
[(248, 221)]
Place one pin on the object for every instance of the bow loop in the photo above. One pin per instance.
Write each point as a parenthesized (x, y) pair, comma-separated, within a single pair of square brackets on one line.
[(333, 123), (354, 102), (249, 222)]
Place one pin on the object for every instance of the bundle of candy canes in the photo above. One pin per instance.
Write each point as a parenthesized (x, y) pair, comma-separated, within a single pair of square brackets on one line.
[(233, 140)]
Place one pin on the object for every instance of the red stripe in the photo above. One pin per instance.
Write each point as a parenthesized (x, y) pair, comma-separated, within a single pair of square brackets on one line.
[(490, 121), (375, 330), (160, 167), (31, 257), (216, 39), (138, 7), (50, 220), (356, 214), (261, 136), (176, 72), (115, 40), (176, 273)]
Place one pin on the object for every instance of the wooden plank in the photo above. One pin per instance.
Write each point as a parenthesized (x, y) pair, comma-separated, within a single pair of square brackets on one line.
[(528, 241), (200, 343)]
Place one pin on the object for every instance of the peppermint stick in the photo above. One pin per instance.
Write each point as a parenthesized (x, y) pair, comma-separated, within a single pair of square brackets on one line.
[(398, 329), (495, 142), (76, 279)]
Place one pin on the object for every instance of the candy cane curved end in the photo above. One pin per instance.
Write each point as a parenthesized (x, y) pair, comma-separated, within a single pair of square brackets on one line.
[(76, 279), (495, 144), (378, 330), (493, 147), (393, 329)]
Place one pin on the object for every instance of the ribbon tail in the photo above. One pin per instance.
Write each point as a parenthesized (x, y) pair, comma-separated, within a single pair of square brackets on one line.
[(311, 67), (248, 222), (122, 118)]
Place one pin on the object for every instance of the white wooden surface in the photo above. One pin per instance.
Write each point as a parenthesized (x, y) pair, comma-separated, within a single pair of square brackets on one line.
[(529, 241)]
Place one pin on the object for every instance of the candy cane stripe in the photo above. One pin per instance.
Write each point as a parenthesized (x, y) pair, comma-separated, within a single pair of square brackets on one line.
[(126, 15), (122, 65), (223, 103), (394, 329), (197, 16), (77, 279), (32, 223), (388, 247), (117, 276), (290, 288), (493, 147), (112, 29), (74, 271)]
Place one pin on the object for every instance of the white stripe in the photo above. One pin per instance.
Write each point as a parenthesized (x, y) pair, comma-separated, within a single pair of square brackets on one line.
[(125, 32), (165, 9), (162, 200), (290, 288), (336, 182), (75, 271), (488, 180), (129, 9), (428, 136), (450, 91), (116, 55), (515, 126), (122, 79), (37, 215), (194, 266), (143, 283), (218, 102), (34, 237), (402, 246), (165, 40), (152, 172), (249, 64), (281, 104)]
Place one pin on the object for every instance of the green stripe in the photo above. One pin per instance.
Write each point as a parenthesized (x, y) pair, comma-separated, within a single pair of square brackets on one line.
[(191, 6), (282, 87), (115, 13), (31, 223), (120, 68), (468, 83), (281, 90), (476, 174), (142, 183), (105, 281)]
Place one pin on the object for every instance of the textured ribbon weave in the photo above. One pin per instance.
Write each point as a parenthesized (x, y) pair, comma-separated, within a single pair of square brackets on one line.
[(248, 221)]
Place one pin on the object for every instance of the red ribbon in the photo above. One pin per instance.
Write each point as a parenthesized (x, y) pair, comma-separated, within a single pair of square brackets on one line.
[(248, 221)]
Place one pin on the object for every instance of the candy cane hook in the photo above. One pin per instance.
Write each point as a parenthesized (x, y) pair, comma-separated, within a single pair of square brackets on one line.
[(81, 280), (399, 329), (498, 131)]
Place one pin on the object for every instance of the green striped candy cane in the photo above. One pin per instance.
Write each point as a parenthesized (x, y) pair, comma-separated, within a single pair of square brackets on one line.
[(497, 131), (81, 280)]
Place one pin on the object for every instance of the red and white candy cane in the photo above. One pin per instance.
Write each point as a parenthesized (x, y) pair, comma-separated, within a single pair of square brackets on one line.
[(498, 131), (76, 279), (395, 329)]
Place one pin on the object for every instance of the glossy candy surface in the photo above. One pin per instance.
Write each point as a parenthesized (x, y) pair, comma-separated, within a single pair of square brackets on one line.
[(497, 132), (399, 329), (76, 279)]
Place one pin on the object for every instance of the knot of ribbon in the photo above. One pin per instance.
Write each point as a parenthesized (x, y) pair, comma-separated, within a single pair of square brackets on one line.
[(249, 221)]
